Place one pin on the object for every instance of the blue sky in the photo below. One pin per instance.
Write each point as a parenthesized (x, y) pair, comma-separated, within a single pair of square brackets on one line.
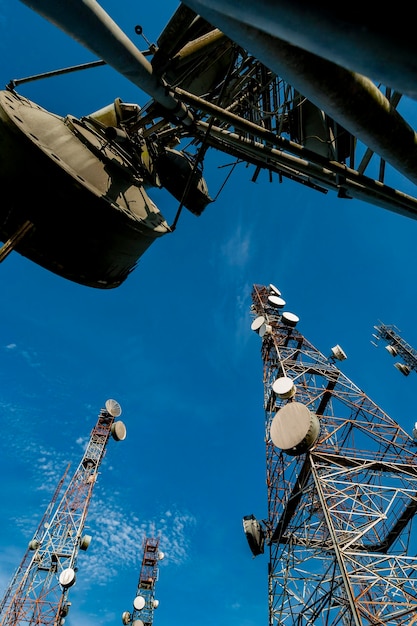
[(173, 346)]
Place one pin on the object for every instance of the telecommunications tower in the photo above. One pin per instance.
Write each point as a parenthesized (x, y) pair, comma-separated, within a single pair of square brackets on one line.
[(396, 346), (145, 603), (38, 592), (341, 488)]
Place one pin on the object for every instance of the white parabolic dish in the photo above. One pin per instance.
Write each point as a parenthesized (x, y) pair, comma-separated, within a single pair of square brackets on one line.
[(113, 408), (277, 302), (139, 603), (284, 387), (67, 577), (118, 430), (274, 289), (294, 428), (290, 319), (257, 322)]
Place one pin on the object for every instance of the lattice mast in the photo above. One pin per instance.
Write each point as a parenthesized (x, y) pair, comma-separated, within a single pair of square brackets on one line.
[(145, 603), (341, 486), (38, 592), (396, 346)]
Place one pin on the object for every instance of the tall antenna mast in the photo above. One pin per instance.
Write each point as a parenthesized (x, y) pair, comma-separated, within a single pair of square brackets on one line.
[(38, 592), (341, 485), (145, 603)]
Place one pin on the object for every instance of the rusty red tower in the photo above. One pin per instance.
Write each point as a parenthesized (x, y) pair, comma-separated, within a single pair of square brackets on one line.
[(38, 592), (341, 487)]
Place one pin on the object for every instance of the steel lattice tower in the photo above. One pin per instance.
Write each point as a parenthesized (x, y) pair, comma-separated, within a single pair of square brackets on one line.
[(38, 592), (396, 346), (145, 603), (341, 487)]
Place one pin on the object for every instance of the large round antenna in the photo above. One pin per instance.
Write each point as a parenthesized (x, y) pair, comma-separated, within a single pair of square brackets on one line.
[(290, 319), (275, 291), (139, 602), (113, 408), (118, 431), (257, 323), (294, 428), (276, 301)]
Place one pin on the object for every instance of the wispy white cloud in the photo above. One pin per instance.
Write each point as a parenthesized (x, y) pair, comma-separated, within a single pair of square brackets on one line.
[(28, 355), (118, 538), (235, 252)]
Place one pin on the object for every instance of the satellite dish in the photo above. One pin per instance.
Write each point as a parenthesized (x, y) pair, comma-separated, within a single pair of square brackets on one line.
[(85, 542), (338, 353), (155, 604), (265, 329), (161, 555), (34, 544), (276, 302), (138, 622), (113, 408), (415, 431), (118, 431), (67, 577), (274, 290), (290, 319), (139, 602), (125, 617), (257, 323), (254, 534), (392, 350), (404, 369), (294, 428), (112, 231), (284, 387)]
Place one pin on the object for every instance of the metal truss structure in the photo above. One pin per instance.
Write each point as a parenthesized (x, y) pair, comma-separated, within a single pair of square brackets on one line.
[(341, 484), (233, 80), (396, 346), (145, 603), (38, 592), (288, 91)]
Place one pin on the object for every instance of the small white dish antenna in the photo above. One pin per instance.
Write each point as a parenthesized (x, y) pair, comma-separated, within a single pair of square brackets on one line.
[(139, 602), (34, 544), (161, 555), (404, 369), (118, 431), (125, 617), (284, 387), (155, 604), (67, 577), (257, 323), (113, 408), (138, 622), (276, 302), (415, 432), (392, 350), (274, 290), (290, 319)]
